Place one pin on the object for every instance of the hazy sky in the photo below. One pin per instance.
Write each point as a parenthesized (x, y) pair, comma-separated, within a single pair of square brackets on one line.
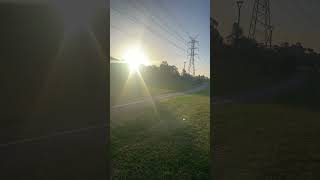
[(160, 35), (294, 20), (74, 11)]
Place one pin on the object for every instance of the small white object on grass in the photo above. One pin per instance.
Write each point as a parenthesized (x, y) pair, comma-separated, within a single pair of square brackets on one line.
[(183, 119)]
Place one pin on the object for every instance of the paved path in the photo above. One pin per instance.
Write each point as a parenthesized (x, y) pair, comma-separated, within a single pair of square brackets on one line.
[(159, 97)]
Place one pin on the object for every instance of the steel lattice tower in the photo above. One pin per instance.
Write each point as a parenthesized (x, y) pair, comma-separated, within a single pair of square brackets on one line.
[(192, 54), (261, 18)]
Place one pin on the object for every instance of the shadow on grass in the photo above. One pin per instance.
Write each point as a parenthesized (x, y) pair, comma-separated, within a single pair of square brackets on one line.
[(270, 140), (306, 96)]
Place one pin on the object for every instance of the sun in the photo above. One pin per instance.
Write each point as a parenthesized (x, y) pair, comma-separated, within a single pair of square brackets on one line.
[(134, 57)]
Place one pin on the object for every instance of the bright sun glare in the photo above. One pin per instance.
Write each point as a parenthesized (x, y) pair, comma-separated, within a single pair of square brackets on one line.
[(135, 57)]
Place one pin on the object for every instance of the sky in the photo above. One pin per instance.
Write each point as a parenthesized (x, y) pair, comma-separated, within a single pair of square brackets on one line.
[(73, 12), (293, 20), (161, 28)]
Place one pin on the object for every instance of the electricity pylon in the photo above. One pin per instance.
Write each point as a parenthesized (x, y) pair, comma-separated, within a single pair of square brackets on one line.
[(191, 53), (261, 18)]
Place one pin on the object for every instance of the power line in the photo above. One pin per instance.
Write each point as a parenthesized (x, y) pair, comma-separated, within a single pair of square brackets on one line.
[(143, 9), (166, 24), (112, 58), (120, 30), (165, 27), (172, 16), (135, 20)]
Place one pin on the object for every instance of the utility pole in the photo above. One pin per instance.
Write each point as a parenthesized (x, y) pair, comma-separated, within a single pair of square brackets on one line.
[(261, 18), (184, 68), (192, 54), (239, 4)]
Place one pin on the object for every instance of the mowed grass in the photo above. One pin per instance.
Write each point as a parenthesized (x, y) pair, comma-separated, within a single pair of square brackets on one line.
[(131, 94), (260, 141), (170, 141)]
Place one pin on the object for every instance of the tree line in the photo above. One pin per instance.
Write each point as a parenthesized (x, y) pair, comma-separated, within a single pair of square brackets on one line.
[(281, 59), (169, 76), (163, 76)]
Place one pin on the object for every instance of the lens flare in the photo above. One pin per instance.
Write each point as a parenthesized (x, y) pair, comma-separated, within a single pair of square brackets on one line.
[(135, 57)]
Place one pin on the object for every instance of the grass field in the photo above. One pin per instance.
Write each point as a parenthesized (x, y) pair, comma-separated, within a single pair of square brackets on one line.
[(260, 141), (136, 90), (170, 141), (130, 94)]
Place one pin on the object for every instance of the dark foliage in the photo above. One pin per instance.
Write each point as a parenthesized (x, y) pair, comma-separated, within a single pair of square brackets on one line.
[(168, 76), (283, 59), (242, 64)]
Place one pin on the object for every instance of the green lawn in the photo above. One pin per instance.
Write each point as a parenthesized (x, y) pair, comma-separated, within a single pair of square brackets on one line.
[(132, 92), (126, 95), (170, 141), (257, 141)]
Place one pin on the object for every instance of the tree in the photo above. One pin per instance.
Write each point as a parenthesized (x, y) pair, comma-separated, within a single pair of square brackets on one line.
[(235, 35), (169, 69), (183, 72), (216, 38)]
